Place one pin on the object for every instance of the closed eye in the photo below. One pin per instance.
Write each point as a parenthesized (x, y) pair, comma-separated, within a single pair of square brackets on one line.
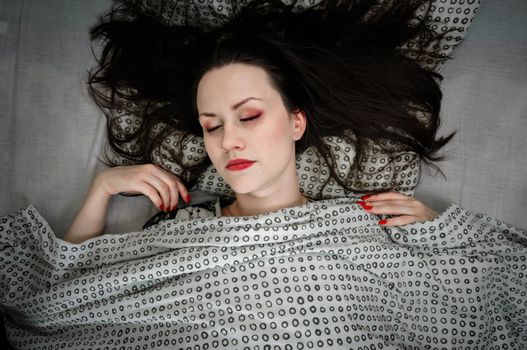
[(243, 120), (250, 118), (212, 129)]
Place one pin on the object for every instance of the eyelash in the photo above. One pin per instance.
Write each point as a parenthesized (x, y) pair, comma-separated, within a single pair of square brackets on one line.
[(243, 120)]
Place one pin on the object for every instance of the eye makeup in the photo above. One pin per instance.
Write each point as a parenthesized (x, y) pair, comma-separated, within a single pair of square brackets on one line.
[(250, 116)]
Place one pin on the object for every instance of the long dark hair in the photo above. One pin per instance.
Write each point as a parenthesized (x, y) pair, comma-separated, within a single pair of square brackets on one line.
[(342, 62)]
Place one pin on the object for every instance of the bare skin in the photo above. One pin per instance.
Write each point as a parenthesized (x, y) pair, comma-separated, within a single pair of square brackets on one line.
[(407, 209), (162, 187), (243, 116)]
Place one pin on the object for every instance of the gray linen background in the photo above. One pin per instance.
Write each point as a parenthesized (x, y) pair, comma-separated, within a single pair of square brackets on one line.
[(51, 133)]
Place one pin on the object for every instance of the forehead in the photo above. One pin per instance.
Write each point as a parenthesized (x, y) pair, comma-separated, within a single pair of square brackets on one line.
[(233, 82)]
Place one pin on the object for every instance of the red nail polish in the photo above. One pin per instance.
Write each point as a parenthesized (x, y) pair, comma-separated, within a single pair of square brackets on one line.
[(187, 199), (162, 207), (382, 222), (364, 205), (365, 197)]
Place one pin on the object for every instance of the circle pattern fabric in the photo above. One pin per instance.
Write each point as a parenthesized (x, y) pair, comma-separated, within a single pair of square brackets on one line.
[(321, 275)]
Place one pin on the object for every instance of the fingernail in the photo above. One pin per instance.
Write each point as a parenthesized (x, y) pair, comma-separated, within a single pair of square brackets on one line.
[(382, 222), (187, 199), (365, 206), (365, 197), (162, 207)]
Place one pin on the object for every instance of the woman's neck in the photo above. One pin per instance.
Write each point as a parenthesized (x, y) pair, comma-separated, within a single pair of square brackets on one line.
[(282, 192), (247, 205)]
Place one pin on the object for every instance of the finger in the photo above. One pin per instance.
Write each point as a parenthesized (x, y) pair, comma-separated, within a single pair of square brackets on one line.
[(185, 194), (411, 207), (174, 184), (400, 220), (392, 195), (151, 193), (174, 196), (162, 189), (393, 207), (177, 191), (175, 188)]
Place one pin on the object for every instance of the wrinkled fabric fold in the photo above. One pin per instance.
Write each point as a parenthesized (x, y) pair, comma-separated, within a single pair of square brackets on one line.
[(324, 273)]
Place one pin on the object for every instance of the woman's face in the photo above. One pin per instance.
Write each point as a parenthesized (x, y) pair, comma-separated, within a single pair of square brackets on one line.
[(244, 118)]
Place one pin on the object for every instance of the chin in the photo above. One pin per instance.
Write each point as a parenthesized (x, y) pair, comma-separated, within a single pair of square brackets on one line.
[(242, 186), (240, 189)]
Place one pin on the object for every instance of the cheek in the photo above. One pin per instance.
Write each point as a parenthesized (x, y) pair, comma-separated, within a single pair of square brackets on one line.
[(279, 134), (273, 142), (210, 148)]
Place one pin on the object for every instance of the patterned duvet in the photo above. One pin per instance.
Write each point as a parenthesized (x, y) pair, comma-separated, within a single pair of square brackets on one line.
[(322, 275)]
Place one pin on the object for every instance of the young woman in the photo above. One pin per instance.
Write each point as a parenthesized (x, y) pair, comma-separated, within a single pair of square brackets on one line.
[(275, 68), (268, 268)]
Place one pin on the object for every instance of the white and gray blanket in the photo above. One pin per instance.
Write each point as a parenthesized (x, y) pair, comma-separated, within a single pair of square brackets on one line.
[(323, 275)]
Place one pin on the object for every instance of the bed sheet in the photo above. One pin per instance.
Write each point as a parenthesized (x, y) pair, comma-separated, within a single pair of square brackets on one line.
[(322, 275)]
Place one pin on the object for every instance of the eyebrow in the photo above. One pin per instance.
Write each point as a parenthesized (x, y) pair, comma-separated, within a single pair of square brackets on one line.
[(233, 107)]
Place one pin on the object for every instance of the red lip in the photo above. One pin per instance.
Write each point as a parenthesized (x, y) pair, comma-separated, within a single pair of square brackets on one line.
[(239, 164)]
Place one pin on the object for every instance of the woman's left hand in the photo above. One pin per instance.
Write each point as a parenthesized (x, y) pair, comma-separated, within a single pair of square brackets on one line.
[(408, 209)]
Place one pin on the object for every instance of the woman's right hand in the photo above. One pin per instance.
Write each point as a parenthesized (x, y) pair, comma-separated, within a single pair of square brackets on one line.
[(162, 187)]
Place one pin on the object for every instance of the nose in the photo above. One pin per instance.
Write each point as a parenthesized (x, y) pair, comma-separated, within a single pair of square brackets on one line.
[(232, 138)]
